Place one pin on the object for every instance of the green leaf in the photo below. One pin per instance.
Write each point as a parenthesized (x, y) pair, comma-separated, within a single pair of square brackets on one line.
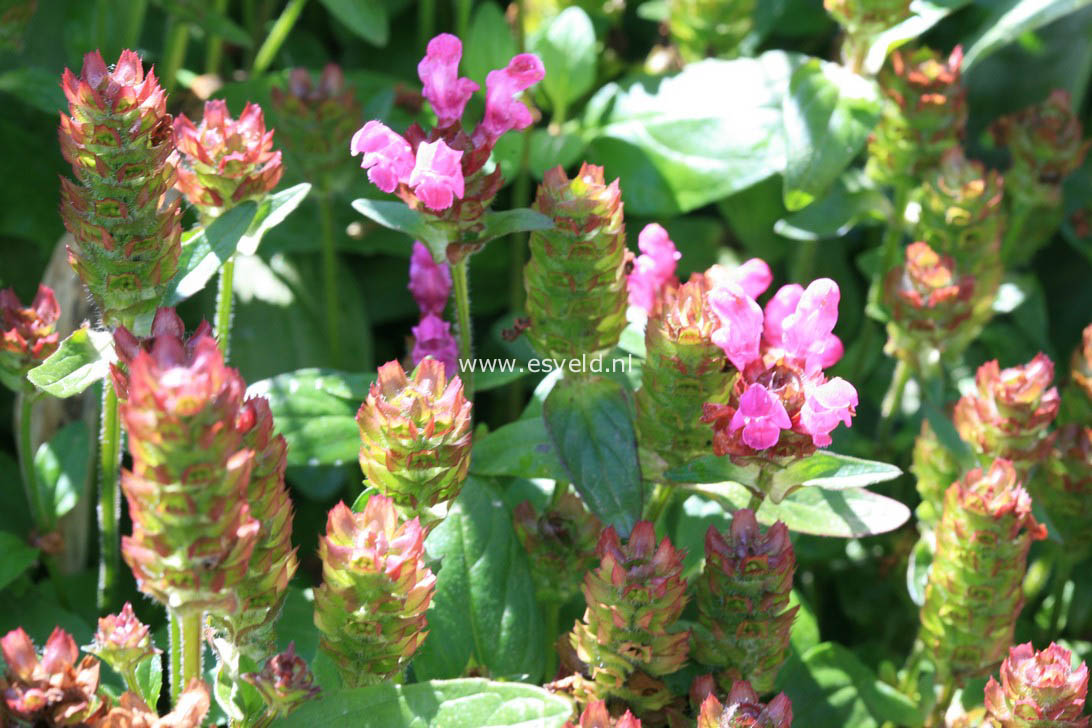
[(484, 609), (831, 688), (315, 410), (366, 19), (590, 421), (149, 679), (507, 222), (467, 703), (521, 449), (841, 513), (805, 628), (825, 469), (917, 570), (924, 14), (81, 360), (205, 250), (713, 469), (827, 117), (484, 381), (396, 216), (1010, 19), (35, 86), (212, 22), (271, 213), (62, 466), (567, 49), (852, 200), (681, 142), (489, 45), (18, 557), (548, 150)]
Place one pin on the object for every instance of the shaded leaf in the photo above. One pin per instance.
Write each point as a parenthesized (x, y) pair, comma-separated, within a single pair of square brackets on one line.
[(149, 679), (62, 466), (366, 19), (81, 360), (825, 469), (924, 14), (205, 250), (567, 49), (1010, 19), (489, 44), (18, 557), (270, 213), (917, 570), (396, 216), (521, 449)]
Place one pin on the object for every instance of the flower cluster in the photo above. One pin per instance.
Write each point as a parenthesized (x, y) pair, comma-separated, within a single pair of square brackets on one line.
[(441, 171), (126, 240), (745, 710), (415, 437), (742, 597), (576, 279), (561, 545), (314, 119), (27, 334), (132, 712), (50, 689), (653, 269), (1038, 689), (974, 592), (226, 161), (596, 715), (430, 284), (627, 637), (370, 609), (782, 404)]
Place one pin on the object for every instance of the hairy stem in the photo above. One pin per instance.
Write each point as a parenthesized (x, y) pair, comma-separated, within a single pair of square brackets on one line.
[(329, 277), (460, 276), (657, 504), (109, 501), (186, 648), (561, 487), (223, 306), (517, 254), (892, 401), (26, 462), (1014, 228), (277, 35)]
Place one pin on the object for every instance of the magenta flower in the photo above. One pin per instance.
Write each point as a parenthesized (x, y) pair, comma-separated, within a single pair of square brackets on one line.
[(432, 337), (437, 177), (827, 405), (753, 276), (429, 281), (801, 321), (439, 72), (778, 308), (387, 156), (653, 268), (503, 110), (762, 417), (740, 330)]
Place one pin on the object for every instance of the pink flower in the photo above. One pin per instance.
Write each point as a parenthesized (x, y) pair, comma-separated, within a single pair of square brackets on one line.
[(762, 417), (429, 281), (503, 111), (801, 321), (753, 276), (778, 308), (387, 156), (826, 406), (438, 71), (740, 330), (437, 176), (653, 268), (432, 337)]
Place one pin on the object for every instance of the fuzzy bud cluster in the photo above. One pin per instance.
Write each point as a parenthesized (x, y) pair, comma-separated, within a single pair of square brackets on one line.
[(28, 335), (1037, 690), (314, 119), (370, 609), (117, 136), (226, 161), (575, 279), (961, 211), (745, 710), (628, 635), (415, 436), (866, 18), (974, 593), (189, 710), (742, 598)]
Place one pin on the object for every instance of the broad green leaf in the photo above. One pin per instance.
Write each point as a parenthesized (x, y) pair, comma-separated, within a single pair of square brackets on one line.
[(396, 216), (924, 14), (590, 421), (270, 213), (62, 466), (831, 688), (35, 86), (1010, 19), (841, 513), (366, 19), (714, 469), (484, 381), (852, 200), (81, 360), (917, 570), (825, 469), (521, 449), (826, 117), (681, 142), (484, 609), (149, 679), (205, 250), (466, 703), (315, 410), (548, 150), (489, 45), (567, 49), (507, 222), (805, 628), (18, 557)]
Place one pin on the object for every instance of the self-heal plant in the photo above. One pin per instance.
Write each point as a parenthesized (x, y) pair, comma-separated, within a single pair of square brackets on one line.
[(50, 688), (28, 334), (1038, 689), (743, 709), (123, 642)]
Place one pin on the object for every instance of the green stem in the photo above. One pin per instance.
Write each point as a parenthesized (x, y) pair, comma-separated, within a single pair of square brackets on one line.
[(889, 246), (1018, 219), (174, 52), (223, 306), (754, 502), (892, 401), (329, 277), (109, 501), (460, 277), (657, 504), (1061, 576), (277, 35), (186, 648), (517, 254), (937, 717), (26, 462), (214, 48), (553, 618), (134, 22), (561, 487)]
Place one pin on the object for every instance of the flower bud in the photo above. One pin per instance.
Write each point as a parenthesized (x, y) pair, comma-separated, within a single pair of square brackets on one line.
[(561, 545), (122, 641), (742, 597), (432, 337), (125, 240), (370, 609), (27, 335), (974, 593), (285, 683), (429, 281), (1038, 689), (193, 531), (314, 120), (961, 212), (702, 28), (51, 689), (226, 161), (415, 436), (575, 280), (1079, 398), (1009, 415), (596, 715), (653, 269), (627, 637), (745, 711)]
